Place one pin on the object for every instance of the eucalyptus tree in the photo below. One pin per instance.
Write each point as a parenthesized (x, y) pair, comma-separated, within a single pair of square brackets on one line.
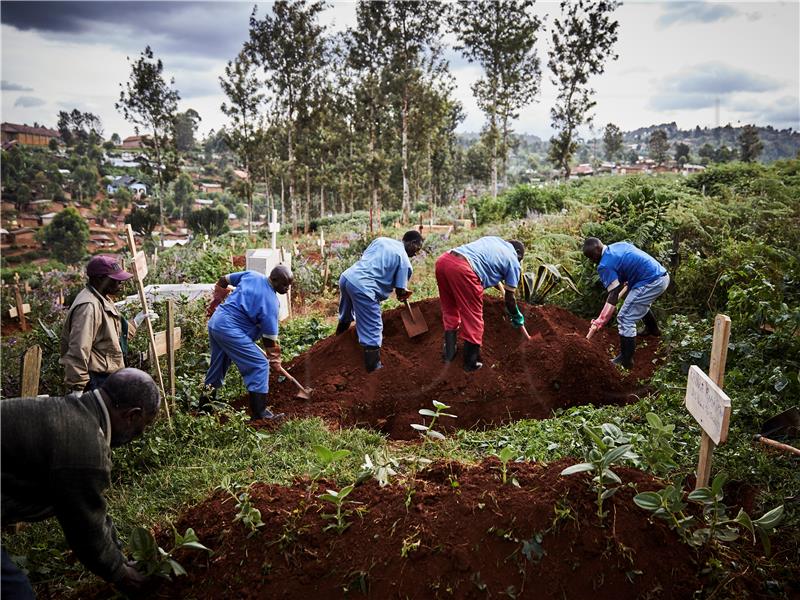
[(612, 141), (147, 100), (242, 90), (411, 30), (501, 36), (582, 40), (290, 46)]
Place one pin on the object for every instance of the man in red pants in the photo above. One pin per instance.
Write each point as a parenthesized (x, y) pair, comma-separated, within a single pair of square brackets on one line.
[(461, 275)]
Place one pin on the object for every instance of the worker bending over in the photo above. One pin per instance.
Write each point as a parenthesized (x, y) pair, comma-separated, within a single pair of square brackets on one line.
[(94, 341), (461, 275), (384, 266), (56, 462), (623, 264), (249, 313)]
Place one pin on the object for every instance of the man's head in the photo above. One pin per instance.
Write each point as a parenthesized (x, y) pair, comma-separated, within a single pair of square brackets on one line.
[(519, 247), (132, 400), (281, 279), (412, 240), (593, 249), (106, 275)]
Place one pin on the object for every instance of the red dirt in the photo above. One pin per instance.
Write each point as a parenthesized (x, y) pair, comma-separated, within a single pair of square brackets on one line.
[(463, 535), (557, 368)]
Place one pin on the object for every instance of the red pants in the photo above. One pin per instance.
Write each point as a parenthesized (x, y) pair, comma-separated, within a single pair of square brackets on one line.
[(461, 297)]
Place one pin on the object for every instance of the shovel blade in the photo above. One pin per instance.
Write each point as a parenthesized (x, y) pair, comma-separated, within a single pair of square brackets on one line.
[(414, 322), (782, 425)]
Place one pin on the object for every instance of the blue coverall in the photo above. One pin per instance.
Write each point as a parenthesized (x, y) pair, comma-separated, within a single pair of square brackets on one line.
[(383, 267), (249, 313)]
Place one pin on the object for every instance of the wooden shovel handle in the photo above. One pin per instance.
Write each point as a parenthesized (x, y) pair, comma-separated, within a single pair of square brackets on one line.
[(778, 445)]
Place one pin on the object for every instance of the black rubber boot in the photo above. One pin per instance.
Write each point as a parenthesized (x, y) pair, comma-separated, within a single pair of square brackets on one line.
[(342, 327), (627, 347), (450, 345), (472, 357), (207, 397), (372, 358), (650, 325), (258, 407)]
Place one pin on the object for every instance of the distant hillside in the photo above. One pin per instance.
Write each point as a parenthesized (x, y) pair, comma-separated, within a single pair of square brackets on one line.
[(778, 143)]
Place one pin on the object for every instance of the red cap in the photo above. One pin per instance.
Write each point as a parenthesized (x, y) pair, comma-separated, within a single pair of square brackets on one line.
[(104, 264)]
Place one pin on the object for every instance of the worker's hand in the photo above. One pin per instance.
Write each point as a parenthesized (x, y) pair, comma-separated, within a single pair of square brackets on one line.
[(517, 320), (273, 354), (133, 582), (137, 320), (220, 293), (604, 316), (403, 295)]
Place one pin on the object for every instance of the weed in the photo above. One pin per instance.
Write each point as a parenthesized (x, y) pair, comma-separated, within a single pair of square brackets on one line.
[(428, 430), (151, 559), (505, 455), (337, 499), (382, 466), (248, 514), (600, 458)]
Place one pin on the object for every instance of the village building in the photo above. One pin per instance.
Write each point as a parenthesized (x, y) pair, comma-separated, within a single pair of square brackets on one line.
[(26, 135)]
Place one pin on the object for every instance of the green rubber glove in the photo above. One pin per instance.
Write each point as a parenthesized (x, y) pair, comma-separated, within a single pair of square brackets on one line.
[(517, 320)]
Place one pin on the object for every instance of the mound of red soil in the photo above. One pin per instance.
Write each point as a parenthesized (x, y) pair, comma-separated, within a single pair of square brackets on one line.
[(464, 534), (520, 378)]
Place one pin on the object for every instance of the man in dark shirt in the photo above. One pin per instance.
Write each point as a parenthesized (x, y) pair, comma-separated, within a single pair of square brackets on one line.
[(56, 461)]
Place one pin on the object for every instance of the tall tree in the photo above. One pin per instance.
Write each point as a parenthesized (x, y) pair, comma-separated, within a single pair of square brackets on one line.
[(658, 145), (412, 31), (750, 145), (582, 41), (185, 127), (612, 141), (241, 86), (500, 35), (682, 151), (212, 221), (183, 193), (66, 236), (290, 46), (79, 128), (147, 100)]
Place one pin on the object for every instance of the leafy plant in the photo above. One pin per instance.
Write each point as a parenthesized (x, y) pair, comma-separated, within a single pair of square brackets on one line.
[(248, 514), (600, 458), (337, 499), (427, 430), (537, 287), (505, 455), (657, 450), (716, 526), (326, 458), (151, 559), (382, 467)]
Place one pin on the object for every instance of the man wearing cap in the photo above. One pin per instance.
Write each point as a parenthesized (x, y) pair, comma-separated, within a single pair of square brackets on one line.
[(461, 276), (94, 341), (384, 267)]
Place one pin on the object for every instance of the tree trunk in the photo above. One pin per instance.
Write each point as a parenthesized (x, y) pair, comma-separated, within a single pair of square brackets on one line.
[(306, 223), (404, 152), (504, 155), (493, 133), (283, 204), (292, 198)]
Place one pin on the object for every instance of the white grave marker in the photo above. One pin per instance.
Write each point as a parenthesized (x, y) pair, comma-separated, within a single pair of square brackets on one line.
[(708, 404)]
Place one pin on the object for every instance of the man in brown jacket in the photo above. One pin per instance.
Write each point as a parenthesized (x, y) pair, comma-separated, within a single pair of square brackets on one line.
[(94, 341)]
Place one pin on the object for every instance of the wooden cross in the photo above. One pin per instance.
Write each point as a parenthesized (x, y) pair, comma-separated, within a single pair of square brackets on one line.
[(20, 310), (140, 271), (706, 401), (274, 228)]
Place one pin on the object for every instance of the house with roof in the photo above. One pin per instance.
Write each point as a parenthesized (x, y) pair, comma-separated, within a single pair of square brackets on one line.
[(135, 141), (210, 187), (26, 135), (136, 187)]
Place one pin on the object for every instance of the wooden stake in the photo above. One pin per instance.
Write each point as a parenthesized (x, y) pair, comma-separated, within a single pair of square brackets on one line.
[(23, 322), (716, 371), (150, 335), (171, 346), (31, 369)]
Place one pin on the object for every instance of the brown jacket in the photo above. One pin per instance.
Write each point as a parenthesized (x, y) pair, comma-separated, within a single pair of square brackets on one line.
[(90, 338)]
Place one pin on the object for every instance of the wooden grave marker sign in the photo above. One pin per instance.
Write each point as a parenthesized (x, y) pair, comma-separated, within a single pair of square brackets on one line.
[(706, 401), (31, 370), (20, 310)]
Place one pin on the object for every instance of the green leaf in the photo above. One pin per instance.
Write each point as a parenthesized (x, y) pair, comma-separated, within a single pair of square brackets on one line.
[(610, 476), (647, 500), (176, 567), (654, 420), (427, 412), (613, 455), (331, 496), (345, 491), (440, 405), (726, 534), (595, 437), (419, 427), (340, 454), (743, 519), (432, 433), (506, 453), (142, 545), (324, 454), (770, 520), (718, 483), (579, 468), (701, 495)]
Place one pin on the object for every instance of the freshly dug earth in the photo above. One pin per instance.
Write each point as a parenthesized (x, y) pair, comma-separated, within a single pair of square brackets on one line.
[(520, 378), (464, 534)]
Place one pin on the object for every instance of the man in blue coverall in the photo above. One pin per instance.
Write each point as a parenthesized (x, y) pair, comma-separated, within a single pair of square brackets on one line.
[(249, 313), (622, 264), (384, 266)]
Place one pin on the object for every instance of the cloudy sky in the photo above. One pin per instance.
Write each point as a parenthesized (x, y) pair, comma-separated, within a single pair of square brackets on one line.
[(676, 61)]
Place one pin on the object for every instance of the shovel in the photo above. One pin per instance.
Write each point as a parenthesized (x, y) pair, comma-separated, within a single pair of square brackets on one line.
[(781, 425), (413, 321), (302, 392)]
